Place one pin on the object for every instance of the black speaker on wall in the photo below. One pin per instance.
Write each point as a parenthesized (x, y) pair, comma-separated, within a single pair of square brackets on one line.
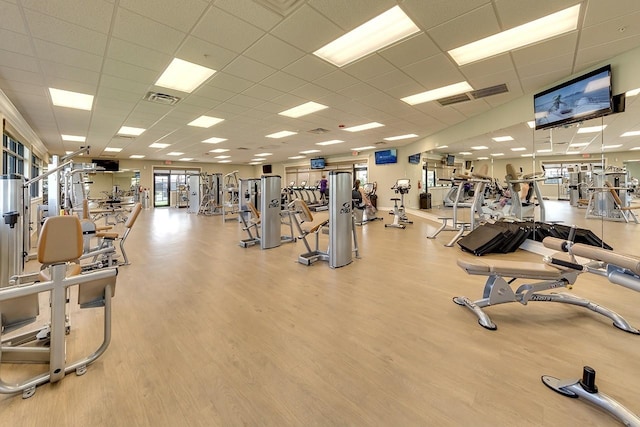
[(619, 102), (266, 169), (467, 164)]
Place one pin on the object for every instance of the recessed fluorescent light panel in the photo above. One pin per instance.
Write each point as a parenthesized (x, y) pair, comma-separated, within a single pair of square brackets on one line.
[(296, 157), (632, 92), (479, 147), (159, 145), (634, 148), (281, 134), (442, 92), (546, 150), (502, 138), (136, 156), (464, 153), (483, 158), (264, 154), (254, 163), (222, 157), (331, 142), (531, 124), (592, 129), (612, 146), (399, 137), (224, 161), (73, 138), (112, 150), (526, 155), (65, 98), (519, 149), (579, 144), (373, 35), (258, 160), (184, 76), (630, 133), (570, 153), (367, 147), (214, 140), (544, 28), (219, 150), (130, 131), (442, 146), (186, 159), (303, 110), (175, 153), (497, 154), (309, 151), (365, 126), (205, 122)]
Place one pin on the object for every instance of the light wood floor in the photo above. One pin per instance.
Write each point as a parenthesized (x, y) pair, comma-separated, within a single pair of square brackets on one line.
[(206, 333)]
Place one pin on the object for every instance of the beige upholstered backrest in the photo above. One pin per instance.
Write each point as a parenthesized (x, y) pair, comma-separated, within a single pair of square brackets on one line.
[(303, 210), (511, 175), (253, 210), (60, 240), (134, 214)]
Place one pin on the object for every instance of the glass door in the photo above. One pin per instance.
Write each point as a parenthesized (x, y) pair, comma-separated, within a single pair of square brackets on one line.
[(160, 190)]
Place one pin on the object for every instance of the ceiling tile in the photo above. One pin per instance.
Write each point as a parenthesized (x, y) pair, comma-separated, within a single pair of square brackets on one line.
[(249, 69), (369, 67), (429, 14), (56, 72), (229, 82), (94, 15), (15, 42), (143, 31), (517, 12), (18, 61), (128, 71), (307, 29), (336, 81), (609, 31), (124, 84), (24, 88), (204, 53), (434, 72), (273, 52), (54, 30), (283, 82), (213, 93), (262, 92), (135, 54), (309, 68), (8, 73), (250, 11), (467, 28), (77, 58), (409, 51), (109, 93), (245, 101), (11, 18), (221, 28), (180, 15), (310, 91), (391, 79), (350, 14), (543, 67), (201, 101), (472, 108), (599, 53)]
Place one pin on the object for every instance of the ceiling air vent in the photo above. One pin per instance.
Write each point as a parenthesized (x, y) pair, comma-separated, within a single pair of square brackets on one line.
[(455, 99), (124, 136), (489, 91), (161, 98), (241, 148), (319, 131)]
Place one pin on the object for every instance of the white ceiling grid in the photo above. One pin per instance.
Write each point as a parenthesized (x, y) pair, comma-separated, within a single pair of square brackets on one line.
[(262, 51)]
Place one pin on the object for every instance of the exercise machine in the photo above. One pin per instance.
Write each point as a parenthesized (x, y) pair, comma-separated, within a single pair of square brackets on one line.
[(556, 272), (339, 225), (59, 244), (402, 187), (211, 191), (231, 199), (521, 209)]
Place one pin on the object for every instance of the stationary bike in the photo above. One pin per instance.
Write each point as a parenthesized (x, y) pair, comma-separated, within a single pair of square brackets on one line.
[(402, 187)]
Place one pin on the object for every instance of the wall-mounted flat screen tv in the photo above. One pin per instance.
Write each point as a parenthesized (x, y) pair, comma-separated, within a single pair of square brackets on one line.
[(386, 157), (318, 163), (107, 165), (414, 159), (583, 98), (451, 160)]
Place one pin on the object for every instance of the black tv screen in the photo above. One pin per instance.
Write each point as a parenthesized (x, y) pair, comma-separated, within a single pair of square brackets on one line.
[(386, 157), (583, 98), (107, 165), (451, 160), (318, 163), (414, 158)]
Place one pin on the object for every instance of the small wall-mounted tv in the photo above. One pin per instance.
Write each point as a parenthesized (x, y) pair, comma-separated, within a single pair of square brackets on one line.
[(318, 163), (107, 165), (414, 159), (583, 98), (451, 160), (386, 157)]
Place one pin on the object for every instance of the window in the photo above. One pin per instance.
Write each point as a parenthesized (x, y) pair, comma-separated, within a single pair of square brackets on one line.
[(12, 156), (36, 169)]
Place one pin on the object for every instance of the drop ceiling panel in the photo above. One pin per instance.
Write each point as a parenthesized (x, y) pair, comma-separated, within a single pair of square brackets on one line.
[(350, 14), (539, 82), (245, 101), (356, 91), (262, 92), (18, 61), (229, 108), (211, 93), (135, 54), (221, 28), (250, 11), (143, 31), (392, 79), (283, 82), (8, 73), (404, 90), (611, 31), (542, 67), (445, 115), (466, 28), (517, 12), (589, 56), (123, 84), (204, 53), (94, 15), (56, 53), (180, 15), (369, 67), (56, 72), (494, 65), (559, 46), (603, 10), (273, 52), (45, 27), (315, 33), (15, 42), (108, 93), (206, 102), (128, 71), (337, 80), (11, 18), (229, 82), (471, 108), (25, 89), (309, 68), (411, 50), (434, 72), (429, 14), (249, 69)]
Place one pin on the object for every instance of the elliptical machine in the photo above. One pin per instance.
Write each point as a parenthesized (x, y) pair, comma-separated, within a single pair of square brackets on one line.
[(402, 187)]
